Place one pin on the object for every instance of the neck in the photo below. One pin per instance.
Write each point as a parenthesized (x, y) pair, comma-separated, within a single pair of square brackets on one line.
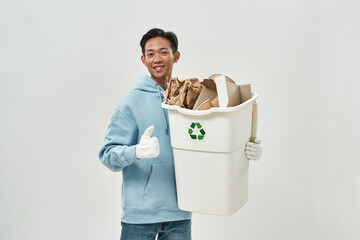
[(162, 82)]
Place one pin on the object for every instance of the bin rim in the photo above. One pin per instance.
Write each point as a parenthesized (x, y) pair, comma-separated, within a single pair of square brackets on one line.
[(186, 111)]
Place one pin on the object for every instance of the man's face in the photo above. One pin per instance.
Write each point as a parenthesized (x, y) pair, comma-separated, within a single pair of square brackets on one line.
[(159, 59)]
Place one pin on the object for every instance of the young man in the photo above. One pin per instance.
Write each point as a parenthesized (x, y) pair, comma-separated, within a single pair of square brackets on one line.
[(137, 143)]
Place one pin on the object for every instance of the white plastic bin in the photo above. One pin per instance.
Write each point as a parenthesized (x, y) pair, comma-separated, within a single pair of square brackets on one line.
[(209, 153)]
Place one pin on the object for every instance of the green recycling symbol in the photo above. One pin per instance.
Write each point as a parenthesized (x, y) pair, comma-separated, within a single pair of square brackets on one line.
[(192, 127)]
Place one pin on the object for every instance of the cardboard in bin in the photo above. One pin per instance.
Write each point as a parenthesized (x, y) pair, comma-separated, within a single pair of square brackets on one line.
[(228, 93), (212, 171)]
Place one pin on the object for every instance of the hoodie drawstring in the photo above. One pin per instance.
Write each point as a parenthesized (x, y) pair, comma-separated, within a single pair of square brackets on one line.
[(161, 97)]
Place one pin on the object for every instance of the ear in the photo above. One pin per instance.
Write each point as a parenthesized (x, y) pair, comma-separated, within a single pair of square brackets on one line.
[(176, 56), (143, 59)]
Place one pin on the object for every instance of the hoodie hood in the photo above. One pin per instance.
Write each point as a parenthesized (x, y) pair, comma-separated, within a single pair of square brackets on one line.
[(147, 84)]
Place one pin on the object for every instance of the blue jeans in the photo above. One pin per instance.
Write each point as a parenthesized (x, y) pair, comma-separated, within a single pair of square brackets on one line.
[(177, 230)]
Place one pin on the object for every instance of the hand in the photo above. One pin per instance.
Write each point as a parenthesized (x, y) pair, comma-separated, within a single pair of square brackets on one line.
[(148, 146), (253, 150)]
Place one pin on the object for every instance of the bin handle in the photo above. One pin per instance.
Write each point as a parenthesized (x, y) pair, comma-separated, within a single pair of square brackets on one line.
[(254, 121)]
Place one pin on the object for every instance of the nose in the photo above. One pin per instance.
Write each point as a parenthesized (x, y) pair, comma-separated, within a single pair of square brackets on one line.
[(157, 58)]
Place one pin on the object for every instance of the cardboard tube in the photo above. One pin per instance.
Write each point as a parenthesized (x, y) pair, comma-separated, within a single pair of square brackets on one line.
[(214, 102), (254, 121)]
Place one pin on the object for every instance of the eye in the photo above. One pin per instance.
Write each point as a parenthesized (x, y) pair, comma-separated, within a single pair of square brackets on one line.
[(164, 52), (149, 55)]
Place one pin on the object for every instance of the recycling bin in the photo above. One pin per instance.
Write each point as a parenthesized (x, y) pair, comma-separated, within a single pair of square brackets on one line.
[(211, 168)]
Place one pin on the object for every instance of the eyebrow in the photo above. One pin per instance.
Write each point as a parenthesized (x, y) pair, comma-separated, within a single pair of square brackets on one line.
[(163, 48)]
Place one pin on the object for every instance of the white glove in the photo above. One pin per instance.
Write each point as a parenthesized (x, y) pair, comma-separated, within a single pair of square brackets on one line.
[(253, 150), (148, 146)]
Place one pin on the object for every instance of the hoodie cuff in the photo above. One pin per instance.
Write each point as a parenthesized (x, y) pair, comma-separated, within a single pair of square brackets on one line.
[(130, 154)]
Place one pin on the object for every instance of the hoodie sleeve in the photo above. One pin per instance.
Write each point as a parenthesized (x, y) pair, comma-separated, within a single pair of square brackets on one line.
[(120, 141)]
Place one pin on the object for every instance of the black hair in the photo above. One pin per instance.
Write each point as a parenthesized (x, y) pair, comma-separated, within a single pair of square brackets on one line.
[(157, 32)]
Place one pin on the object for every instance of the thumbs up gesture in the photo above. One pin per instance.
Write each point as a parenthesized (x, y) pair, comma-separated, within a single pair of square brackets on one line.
[(148, 146)]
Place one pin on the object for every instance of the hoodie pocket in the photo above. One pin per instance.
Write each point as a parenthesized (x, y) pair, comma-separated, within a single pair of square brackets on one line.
[(160, 191)]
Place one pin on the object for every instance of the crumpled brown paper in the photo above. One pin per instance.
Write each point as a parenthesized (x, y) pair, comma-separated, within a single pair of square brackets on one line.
[(182, 92)]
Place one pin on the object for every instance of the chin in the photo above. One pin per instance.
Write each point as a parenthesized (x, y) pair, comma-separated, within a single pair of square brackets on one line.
[(159, 76)]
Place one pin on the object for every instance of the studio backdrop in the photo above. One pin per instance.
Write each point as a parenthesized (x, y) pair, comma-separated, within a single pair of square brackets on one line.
[(64, 65)]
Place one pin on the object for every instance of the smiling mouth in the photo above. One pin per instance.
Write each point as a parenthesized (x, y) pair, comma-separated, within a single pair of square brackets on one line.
[(158, 68)]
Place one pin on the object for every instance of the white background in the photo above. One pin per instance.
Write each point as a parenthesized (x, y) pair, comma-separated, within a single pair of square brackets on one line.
[(65, 64)]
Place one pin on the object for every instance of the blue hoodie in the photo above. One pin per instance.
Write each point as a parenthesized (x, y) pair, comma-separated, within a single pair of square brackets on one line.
[(148, 189)]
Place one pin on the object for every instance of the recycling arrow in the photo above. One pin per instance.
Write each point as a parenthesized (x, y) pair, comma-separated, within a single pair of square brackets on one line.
[(194, 126)]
